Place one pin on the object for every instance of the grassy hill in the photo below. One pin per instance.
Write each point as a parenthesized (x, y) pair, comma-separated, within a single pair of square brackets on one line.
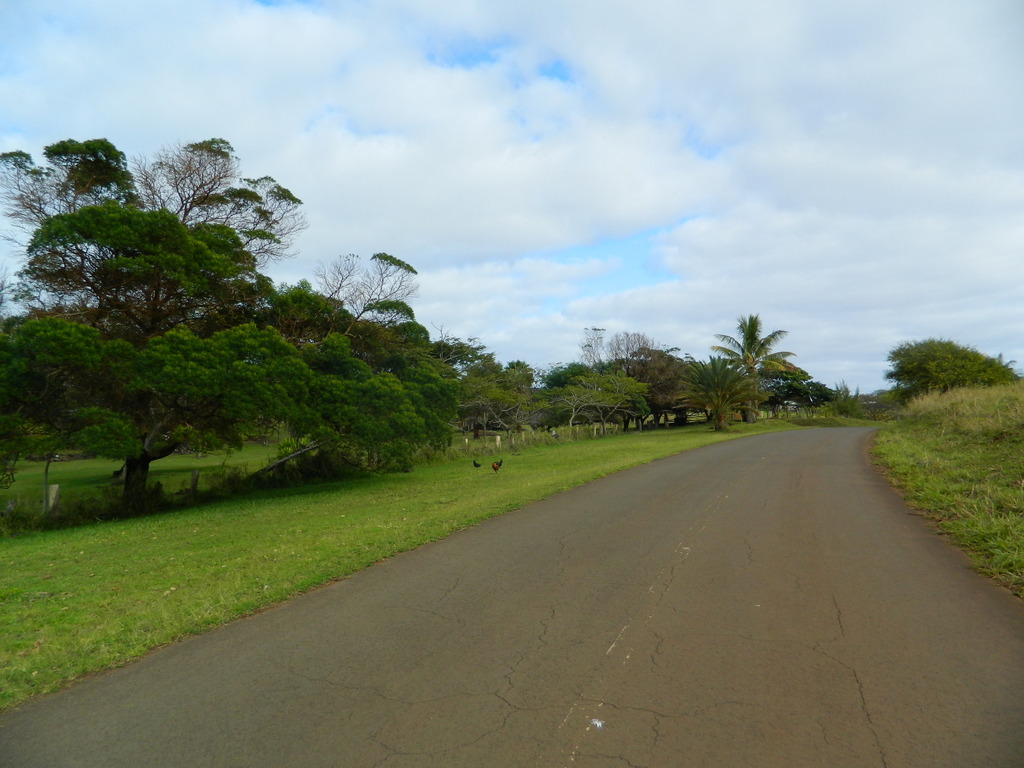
[(959, 458)]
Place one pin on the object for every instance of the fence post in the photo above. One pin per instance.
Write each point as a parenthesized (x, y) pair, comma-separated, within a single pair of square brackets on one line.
[(52, 500)]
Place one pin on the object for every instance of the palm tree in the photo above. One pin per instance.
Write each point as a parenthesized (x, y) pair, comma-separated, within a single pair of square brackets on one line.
[(720, 387), (753, 352)]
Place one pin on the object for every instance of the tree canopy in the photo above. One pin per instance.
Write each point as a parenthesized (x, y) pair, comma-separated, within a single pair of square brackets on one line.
[(198, 183), (793, 387), (938, 365), (134, 274), (750, 350)]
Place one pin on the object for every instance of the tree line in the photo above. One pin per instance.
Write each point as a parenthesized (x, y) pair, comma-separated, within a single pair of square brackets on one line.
[(631, 380), (145, 326)]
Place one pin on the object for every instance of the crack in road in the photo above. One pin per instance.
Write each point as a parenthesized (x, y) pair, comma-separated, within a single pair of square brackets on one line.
[(394, 751), (839, 616), (865, 709), (456, 583)]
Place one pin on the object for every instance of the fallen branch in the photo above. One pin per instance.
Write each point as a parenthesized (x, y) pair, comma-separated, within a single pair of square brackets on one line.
[(306, 449)]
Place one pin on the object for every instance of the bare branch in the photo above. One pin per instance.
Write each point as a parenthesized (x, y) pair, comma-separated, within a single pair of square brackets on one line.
[(377, 288), (201, 184)]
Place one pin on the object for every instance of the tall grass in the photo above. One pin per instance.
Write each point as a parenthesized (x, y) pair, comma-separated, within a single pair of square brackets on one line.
[(959, 457), (82, 599)]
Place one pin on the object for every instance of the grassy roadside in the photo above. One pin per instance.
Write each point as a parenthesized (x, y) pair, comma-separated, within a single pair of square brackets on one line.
[(80, 600), (959, 459)]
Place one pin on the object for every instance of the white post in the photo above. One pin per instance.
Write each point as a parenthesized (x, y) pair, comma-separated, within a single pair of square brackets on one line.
[(53, 499)]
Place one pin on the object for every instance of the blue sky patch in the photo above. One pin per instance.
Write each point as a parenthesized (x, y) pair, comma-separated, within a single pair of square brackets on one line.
[(637, 265), (556, 70), (696, 143), (467, 52)]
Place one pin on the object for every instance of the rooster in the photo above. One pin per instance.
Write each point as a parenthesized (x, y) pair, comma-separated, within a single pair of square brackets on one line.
[(497, 465)]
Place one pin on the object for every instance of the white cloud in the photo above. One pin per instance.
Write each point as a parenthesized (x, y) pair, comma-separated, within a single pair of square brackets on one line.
[(852, 171)]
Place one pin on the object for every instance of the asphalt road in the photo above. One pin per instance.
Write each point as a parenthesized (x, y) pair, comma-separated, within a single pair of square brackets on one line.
[(758, 603)]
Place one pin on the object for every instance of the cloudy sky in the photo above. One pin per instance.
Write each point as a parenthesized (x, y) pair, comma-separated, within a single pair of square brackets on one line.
[(851, 170)]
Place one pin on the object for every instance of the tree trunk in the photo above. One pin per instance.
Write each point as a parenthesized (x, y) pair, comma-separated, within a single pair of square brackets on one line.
[(136, 470), (135, 474)]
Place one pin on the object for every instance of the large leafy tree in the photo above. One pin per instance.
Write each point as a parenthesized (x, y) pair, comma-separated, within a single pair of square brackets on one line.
[(141, 404), (793, 387), (63, 381), (165, 272), (938, 365), (157, 272), (753, 350), (639, 357), (521, 403), (382, 391), (626, 377)]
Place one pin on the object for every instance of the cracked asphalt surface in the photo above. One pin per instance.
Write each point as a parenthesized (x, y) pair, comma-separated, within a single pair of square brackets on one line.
[(762, 602)]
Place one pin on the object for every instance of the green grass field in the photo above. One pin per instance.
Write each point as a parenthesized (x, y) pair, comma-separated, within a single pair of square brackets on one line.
[(87, 476), (79, 600)]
